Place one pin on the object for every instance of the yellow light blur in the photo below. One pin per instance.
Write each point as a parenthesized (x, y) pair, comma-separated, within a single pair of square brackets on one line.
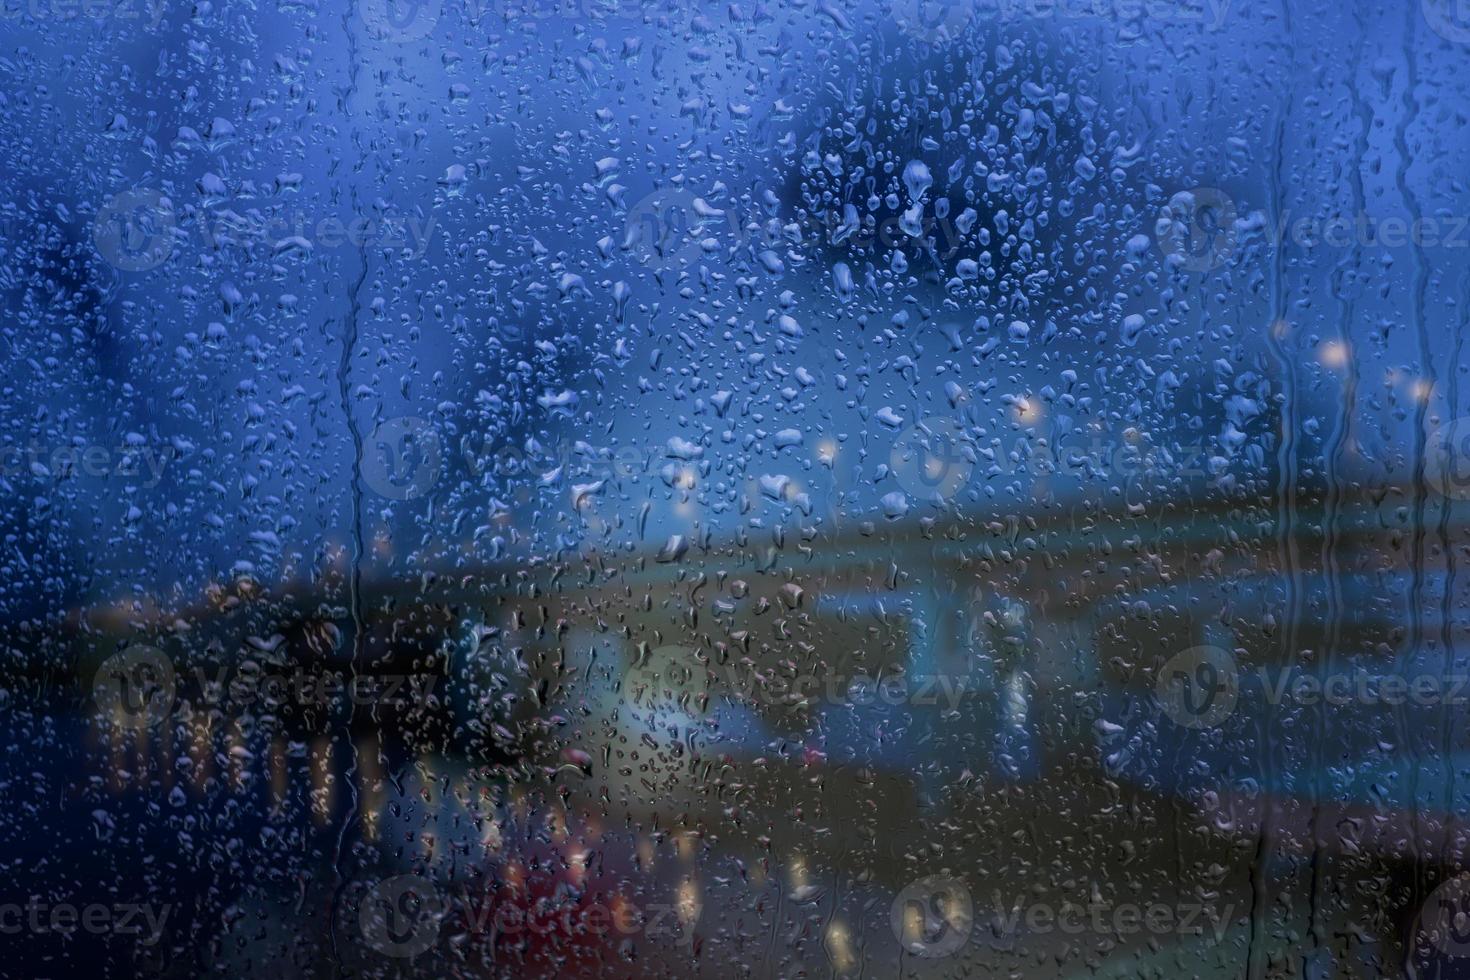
[(1334, 354)]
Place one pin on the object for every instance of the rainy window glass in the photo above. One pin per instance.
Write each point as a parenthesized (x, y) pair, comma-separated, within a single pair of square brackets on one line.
[(637, 488)]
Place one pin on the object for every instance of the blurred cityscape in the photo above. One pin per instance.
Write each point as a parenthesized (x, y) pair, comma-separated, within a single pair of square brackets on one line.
[(616, 488)]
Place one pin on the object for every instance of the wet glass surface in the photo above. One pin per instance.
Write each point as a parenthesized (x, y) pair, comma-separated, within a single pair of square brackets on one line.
[(601, 488)]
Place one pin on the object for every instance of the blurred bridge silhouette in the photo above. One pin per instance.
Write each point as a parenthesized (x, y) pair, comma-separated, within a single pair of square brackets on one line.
[(821, 694)]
